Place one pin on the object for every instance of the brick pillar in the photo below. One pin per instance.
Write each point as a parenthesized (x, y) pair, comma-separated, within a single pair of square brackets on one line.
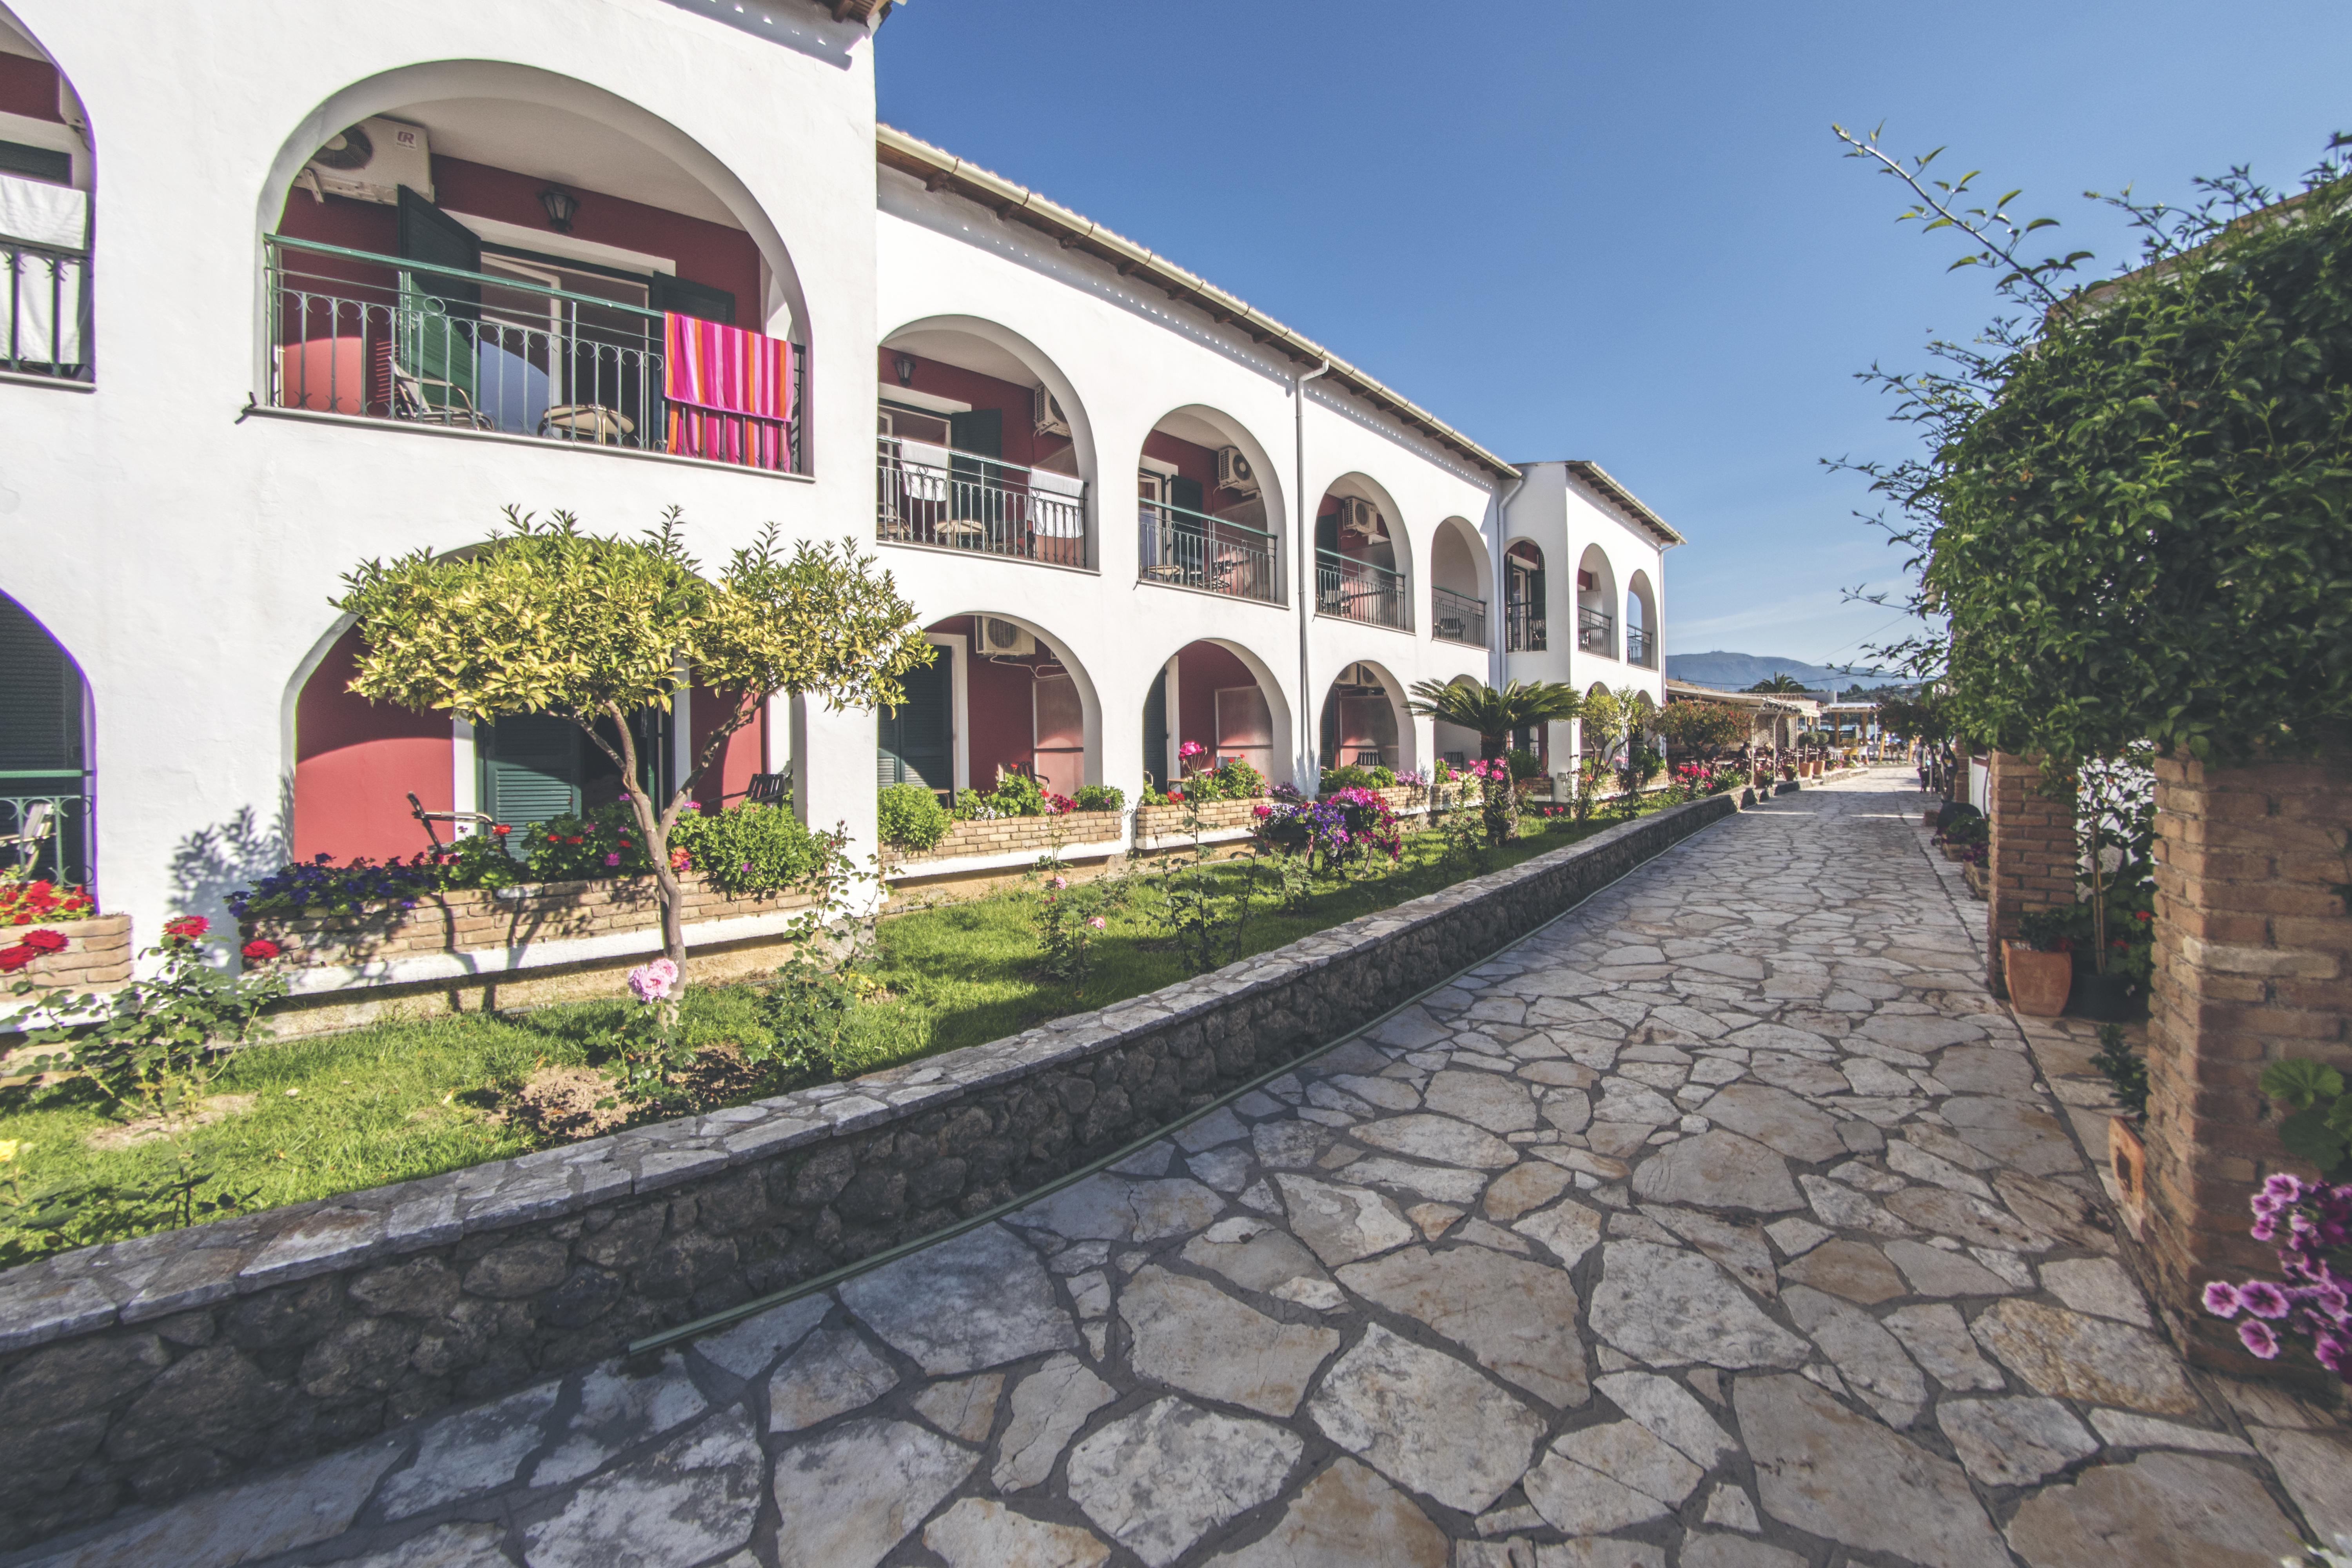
[(2033, 854), (2254, 964)]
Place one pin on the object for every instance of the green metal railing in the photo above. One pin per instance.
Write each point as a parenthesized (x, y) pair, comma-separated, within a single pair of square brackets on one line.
[(1194, 550), (962, 500), (1352, 590), (65, 853), (384, 337)]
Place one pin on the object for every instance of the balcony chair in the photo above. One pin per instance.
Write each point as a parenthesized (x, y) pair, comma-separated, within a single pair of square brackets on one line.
[(39, 817), (413, 398), (428, 818)]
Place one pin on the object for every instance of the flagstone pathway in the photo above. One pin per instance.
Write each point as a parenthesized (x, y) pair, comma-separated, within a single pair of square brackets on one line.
[(1727, 1221)]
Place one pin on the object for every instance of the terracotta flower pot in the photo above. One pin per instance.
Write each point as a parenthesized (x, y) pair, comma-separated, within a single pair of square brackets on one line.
[(2037, 981)]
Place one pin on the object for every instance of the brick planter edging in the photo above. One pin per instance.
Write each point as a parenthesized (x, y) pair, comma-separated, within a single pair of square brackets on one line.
[(153, 1367), (97, 952), (1007, 834)]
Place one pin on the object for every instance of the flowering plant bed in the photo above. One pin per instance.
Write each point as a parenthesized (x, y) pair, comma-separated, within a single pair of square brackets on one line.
[(1011, 834), (93, 953), (2312, 1223), (1346, 824), (38, 902)]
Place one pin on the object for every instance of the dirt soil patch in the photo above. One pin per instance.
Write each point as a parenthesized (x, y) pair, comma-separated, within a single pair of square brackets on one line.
[(147, 1129)]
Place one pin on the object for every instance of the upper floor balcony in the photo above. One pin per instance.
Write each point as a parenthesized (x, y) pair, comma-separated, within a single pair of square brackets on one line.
[(522, 349), (1358, 550), (1641, 648), (1596, 631), (1457, 617), (942, 497), (1194, 550), (1523, 628)]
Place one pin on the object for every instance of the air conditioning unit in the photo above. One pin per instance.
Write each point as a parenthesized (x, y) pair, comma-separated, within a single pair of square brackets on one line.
[(998, 636), (371, 161), (1234, 471), (1362, 519), (1046, 414)]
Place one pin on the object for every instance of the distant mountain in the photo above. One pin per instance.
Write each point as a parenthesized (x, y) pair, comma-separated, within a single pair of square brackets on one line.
[(1739, 671)]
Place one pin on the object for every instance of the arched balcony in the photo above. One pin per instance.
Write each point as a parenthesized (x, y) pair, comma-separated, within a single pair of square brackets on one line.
[(1596, 594), (496, 250), (45, 216), (981, 447), (1364, 565), (1457, 584), (1208, 512), (1526, 628), (1640, 623)]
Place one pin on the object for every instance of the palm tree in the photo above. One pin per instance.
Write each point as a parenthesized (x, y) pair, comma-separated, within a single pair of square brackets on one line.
[(1781, 681), (1495, 715)]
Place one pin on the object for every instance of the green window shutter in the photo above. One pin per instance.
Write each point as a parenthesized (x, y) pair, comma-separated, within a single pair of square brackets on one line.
[(433, 340), (917, 737), (40, 702), (684, 297), (530, 768)]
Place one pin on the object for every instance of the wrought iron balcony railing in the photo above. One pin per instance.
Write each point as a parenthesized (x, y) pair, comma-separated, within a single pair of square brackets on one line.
[(940, 497), (383, 337), (1639, 647), (45, 331), (1524, 630), (1596, 631), (1352, 590), (1457, 617), (1193, 549), (64, 852)]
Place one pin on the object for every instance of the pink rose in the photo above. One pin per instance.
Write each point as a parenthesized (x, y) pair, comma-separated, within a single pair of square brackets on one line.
[(1099, 922)]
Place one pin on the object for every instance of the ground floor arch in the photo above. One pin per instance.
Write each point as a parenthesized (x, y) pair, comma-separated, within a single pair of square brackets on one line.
[(1364, 721), (45, 727), (1000, 695), (1219, 696)]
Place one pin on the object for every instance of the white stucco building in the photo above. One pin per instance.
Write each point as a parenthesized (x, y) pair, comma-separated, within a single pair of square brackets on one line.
[(300, 286)]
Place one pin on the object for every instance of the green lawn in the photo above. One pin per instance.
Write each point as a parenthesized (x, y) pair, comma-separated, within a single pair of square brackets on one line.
[(397, 1101)]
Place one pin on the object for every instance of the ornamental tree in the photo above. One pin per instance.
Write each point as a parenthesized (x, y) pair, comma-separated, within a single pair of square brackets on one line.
[(1495, 714), (544, 618), (1706, 729), (2133, 517)]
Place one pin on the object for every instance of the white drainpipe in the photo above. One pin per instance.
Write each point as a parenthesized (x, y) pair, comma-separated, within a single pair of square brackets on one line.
[(1309, 714)]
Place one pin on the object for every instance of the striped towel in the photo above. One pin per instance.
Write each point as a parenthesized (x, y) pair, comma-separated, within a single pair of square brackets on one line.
[(730, 391)]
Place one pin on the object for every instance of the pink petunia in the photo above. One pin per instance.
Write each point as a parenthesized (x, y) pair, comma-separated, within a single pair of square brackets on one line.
[(2257, 1337), (2263, 1300), (2286, 1189), (2221, 1300), (612, 859), (1099, 922)]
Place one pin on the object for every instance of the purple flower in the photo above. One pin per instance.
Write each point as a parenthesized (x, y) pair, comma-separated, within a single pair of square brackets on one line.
[(2334, 1354), (2223, 1300), (2285, 1189), (612, 859), (652, 982), (2262, 1229), (2263, 1300), (2258, 1338)]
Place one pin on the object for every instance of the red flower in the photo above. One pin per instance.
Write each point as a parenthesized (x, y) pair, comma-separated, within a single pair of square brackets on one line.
[(552, 838), (13, 959), (260, 948), (574, 840), (43, 940), (187, 927), (501, 828)]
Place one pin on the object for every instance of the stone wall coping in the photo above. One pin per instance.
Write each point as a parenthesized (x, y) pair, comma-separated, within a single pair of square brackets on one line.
[(155, 1276)]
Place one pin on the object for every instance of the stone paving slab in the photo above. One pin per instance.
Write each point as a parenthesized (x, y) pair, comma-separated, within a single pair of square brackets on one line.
[(1727, 1221)]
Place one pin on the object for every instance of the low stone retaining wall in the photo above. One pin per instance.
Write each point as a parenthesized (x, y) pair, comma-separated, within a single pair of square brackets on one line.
[(144, 1370), (1015, 834), (97, 955)]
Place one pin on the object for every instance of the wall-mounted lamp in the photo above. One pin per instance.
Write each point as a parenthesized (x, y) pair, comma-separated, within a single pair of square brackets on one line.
[(905, 366), (561, 205)]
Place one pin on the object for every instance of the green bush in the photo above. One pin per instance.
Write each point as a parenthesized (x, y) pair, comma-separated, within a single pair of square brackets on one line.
[(751, 849), (909, 817), (1384, 778), (1100, 797), (1524, 763), (1237, 780), (1350, 777)]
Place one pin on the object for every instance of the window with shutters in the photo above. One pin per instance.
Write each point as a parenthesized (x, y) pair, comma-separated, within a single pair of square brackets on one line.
[(44, 753), (916, 739)]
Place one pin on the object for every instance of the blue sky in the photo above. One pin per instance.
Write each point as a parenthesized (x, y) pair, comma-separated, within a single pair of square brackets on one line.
[(1620, 232)]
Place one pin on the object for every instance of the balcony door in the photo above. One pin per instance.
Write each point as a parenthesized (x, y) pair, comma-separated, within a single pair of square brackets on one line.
[(917, 738)]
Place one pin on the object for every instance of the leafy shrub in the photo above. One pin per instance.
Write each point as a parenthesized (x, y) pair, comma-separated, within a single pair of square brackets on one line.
[(1237, 780), (752, 849), (2120, 1067), (1349, 777), (1100, 797), (1015, 794), (910, 816), (1384, 778), (1524, 763)]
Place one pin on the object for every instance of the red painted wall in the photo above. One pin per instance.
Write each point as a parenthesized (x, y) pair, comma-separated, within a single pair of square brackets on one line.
[(745, 755), (354, 762), (1201, 668), (1002, 710), (1023, 445), (703, 252), (29, 88)]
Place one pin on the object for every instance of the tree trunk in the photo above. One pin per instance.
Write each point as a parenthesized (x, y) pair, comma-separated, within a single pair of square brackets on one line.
[(653, 828)]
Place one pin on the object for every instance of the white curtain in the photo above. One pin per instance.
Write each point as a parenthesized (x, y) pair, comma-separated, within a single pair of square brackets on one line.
[(41, 293), (1056, 504)]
